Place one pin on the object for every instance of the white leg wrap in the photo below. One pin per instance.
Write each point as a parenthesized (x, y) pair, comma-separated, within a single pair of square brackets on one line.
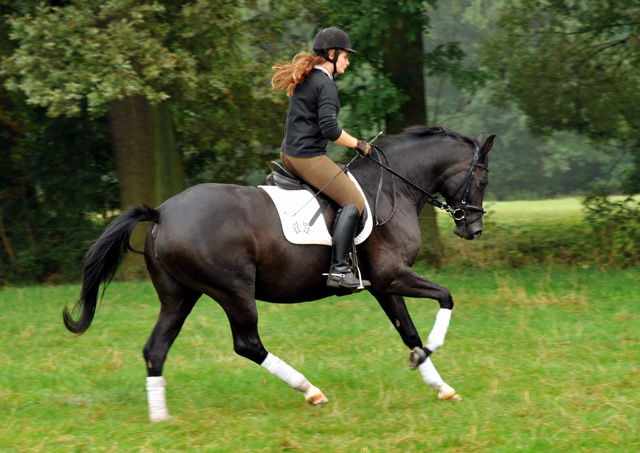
[(295, 379), (430, 374), (156, 397), (433, 379), (439, 331)]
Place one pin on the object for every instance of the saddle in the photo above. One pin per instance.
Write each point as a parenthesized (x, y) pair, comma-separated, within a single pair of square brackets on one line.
[(280, 178), (285, 180)]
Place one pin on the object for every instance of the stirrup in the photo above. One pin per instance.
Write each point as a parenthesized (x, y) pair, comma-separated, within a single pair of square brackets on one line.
[(346, 280)]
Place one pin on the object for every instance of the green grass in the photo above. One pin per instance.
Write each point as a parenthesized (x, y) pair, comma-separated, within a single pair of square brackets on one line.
[(558, 210), (545, 359), (561, 211)]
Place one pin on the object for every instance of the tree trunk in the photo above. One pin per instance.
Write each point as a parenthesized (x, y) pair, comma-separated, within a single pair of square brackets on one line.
[(170, 176), (5, 239), (131, 126), (403, 61), (24, 196), (149, 167)]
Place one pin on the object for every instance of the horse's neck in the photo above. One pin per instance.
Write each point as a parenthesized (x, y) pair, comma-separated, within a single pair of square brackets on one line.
[(424, 164), (428, 165)]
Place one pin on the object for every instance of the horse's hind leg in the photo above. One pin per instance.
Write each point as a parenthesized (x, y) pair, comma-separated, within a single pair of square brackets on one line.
[(177, 301), (243, 318)]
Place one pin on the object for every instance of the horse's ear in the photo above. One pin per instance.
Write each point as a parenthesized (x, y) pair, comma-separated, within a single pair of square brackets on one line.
[(488, 144), (480, 138)]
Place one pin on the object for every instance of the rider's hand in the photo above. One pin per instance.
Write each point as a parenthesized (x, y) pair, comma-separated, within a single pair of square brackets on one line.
[(363, 148)]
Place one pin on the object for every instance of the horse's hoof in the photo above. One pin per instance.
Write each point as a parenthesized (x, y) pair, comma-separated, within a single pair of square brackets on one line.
[(416, 357), (317, 399), (452, 397), (159, 418), (446, 392)]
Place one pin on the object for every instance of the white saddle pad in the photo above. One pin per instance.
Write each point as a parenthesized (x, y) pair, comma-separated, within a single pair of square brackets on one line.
[(295, 216)]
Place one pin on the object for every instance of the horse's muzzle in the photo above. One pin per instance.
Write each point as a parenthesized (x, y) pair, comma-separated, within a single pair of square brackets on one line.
[(466, 228), (469, 231)]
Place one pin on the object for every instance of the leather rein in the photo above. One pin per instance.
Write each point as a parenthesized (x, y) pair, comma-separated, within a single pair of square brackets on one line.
[(457, 212)]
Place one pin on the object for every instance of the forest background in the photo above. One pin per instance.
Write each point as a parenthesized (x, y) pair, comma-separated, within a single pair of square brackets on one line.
[(105, 104)]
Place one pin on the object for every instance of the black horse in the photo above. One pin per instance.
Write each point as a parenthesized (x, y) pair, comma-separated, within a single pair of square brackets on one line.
[(226, 241)]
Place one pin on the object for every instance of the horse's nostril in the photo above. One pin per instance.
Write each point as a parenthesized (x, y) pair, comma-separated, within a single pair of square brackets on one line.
[(477, 234)]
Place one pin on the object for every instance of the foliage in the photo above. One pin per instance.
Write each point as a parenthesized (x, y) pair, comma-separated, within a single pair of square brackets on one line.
[(385, 90), (231, 134), (588, 232), (525, 165), (516, 351), (583, 57), (616, 228), (45, 193), (212, 60), (209, 58), (99, 52), (72, 60)]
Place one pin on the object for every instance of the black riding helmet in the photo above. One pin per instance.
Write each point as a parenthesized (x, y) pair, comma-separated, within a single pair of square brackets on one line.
[(331, 38)]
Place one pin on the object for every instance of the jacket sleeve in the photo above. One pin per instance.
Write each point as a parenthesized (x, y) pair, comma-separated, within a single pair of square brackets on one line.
[(328, 109)]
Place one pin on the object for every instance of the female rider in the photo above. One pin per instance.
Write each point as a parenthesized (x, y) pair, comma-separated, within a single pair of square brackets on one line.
[(312, 121)]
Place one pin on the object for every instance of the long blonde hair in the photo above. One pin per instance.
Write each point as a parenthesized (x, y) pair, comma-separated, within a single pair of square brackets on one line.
[(289, 75)]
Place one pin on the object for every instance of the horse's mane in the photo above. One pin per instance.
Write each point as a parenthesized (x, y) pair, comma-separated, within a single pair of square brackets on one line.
[(427, 131)]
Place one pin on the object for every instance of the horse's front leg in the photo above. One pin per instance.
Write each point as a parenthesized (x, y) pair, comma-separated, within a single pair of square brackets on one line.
[(396, 310), (409, 283)]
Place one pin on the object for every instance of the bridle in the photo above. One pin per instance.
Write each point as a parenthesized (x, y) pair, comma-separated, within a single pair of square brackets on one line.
[(457, 212)]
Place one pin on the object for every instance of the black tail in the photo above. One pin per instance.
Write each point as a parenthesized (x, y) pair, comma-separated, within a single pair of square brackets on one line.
[(100, 264)]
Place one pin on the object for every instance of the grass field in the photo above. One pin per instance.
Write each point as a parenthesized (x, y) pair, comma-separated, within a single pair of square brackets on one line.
[(546, 359)]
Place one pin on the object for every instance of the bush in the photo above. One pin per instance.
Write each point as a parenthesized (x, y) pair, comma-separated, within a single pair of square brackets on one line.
[(615, 230), (53, 255), (599, 232)]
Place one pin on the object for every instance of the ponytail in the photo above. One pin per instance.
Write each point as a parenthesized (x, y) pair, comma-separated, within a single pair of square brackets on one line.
[(288, 76)]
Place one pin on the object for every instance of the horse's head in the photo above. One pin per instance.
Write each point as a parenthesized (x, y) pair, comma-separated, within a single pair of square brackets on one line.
[(455, 166), (465, 190)]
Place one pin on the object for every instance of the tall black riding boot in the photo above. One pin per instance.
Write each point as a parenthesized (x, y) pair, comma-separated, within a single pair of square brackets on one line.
[(341, 273)]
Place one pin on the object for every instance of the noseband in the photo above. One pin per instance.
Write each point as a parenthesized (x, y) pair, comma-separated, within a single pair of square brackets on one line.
[(457, 212)]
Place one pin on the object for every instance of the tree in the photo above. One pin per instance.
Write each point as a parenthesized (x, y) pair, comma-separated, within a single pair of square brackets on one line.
[(102, 57), (571, 66), (54, 171), (148, 66)]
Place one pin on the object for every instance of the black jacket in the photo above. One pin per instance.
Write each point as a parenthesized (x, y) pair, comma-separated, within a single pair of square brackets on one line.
[(313, 117)]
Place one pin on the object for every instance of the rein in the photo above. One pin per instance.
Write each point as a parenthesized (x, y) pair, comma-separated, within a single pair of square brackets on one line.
[(456, 212)]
